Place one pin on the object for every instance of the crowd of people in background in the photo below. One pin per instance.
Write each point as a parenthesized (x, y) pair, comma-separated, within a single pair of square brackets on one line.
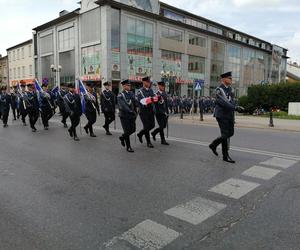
[(186, 104)]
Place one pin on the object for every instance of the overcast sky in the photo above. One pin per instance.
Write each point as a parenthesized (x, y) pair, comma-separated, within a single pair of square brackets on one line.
[(276, 21)]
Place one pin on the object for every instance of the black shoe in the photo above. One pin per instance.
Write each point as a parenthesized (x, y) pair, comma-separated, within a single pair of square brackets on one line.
[(5, 126), (130, 150), (92, 135), (153, 136), (65, 125), (24, 124), (140, 137), (86, 130), (228, 159), (122, 141), (15, 119), (213, 149), (108, 133), (70, 132), (46, 128), (165, 143), (33, 130), (149, 145), (76, 138)]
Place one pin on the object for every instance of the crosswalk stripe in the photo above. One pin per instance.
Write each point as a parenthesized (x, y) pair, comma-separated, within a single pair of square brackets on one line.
[(196, 210), (279, 162), (146, 235), (261, 172), (234, 188)]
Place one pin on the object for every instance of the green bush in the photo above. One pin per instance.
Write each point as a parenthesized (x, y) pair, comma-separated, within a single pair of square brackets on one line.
[(271, 96)]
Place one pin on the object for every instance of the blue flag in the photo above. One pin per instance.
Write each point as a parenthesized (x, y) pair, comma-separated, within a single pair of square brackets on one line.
[(38, 86), (83, 92)]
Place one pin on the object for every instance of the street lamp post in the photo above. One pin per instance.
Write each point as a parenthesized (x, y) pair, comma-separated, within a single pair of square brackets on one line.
[(56, 72)]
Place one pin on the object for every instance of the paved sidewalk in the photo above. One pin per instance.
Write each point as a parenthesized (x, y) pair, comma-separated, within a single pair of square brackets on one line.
[(242, 122)]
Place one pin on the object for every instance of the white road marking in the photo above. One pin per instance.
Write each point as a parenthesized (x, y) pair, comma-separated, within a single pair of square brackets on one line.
[(147, 235), (205, 144), (234, 188), (279, 162), (196, 211), (261, 172)]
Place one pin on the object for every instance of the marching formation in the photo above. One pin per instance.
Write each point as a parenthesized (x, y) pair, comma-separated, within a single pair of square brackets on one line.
[(75, 99)]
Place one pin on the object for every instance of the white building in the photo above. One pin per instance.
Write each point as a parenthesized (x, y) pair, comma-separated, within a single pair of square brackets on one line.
[(3, 70), (21, 63), (121, 39)]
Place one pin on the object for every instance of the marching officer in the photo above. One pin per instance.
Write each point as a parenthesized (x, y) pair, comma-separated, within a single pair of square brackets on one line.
[(146, 98), (46, 106), (23, 103), (224, 113), (127, 113), (61, 104), (14, 102), (74, 109), (5, 101), (108, 106), (162, 113), (32, 106), (91, 109)]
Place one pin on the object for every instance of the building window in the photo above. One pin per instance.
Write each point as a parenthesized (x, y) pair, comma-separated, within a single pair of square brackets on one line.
[(90, 26), (23, 72), (197, 40), (9, 56), (29, 50), (217, 63), (46, 62), (46, 43), (19, 72), (18, 54), (115, 43), (238, 37), (230, 35), (234, 64), (172, 34), (91, 63), (66, 39), (14, 55), (139, 48), (22, 52), (195, 23), (215, 30), (15, 73), (67, 61), (30, 70), (173, 16)]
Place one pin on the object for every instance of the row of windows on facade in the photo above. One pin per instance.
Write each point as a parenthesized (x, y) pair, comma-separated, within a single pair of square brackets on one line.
[(19, 54), (16, 72), (235, 36)]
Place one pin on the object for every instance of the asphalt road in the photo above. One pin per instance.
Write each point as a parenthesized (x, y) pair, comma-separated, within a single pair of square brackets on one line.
[(59, 194)]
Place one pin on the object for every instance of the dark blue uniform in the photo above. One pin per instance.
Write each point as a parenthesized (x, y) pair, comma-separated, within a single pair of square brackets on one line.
[(146, 114), (61, 105), (162, 114), (46, 107), (224, 113), (108, 108), (127, 113), (5, 101), (91, 110), (74, 109), (32, 107)]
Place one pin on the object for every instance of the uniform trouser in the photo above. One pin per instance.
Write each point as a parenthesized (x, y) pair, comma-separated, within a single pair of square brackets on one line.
[(75, 120), (23, 113), (14, 112), (46, 115), (162, 120), (33, 117), (227, 131), (129, 127), (148, 121), (109, 118), (5, 117), (91, 117)]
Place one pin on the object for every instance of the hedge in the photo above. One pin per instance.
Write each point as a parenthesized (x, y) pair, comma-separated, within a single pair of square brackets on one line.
[(269, 96)]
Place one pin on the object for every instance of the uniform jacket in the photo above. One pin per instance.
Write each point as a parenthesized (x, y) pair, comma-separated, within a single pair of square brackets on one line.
[(91, 103), (108, 100), (161, 106), (225, 105), (141, 94), (73, 104), (5, 101), (127, 104)]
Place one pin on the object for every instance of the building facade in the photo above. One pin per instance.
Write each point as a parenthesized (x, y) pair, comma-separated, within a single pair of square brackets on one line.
[(21, 63), (121, 39), (3, 70)]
